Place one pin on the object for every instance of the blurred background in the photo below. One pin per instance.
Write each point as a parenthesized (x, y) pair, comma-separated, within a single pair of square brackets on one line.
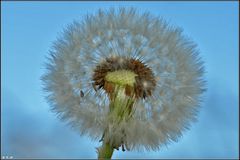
[(30, 130)]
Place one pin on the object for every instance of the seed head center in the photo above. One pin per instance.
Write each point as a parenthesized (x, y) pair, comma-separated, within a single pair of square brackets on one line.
[(132, 74)]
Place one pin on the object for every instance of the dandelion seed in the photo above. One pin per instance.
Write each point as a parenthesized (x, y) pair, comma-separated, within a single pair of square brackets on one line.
[(82, 94), (125, 78)]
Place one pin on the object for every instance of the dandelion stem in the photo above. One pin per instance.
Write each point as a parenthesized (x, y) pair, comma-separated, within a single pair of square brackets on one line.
[(105, 151), (120, 110)]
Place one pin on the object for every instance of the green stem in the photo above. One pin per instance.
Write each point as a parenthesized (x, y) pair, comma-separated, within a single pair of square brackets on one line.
[(105, 151), (120, 108)]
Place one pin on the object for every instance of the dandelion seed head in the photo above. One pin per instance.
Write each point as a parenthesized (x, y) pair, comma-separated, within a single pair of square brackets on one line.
[(152, 65)]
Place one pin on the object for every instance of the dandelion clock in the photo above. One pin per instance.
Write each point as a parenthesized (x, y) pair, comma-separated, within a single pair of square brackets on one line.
[(126, 79)]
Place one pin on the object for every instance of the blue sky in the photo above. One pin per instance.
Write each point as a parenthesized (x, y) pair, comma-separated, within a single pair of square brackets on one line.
[(30, 130)]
